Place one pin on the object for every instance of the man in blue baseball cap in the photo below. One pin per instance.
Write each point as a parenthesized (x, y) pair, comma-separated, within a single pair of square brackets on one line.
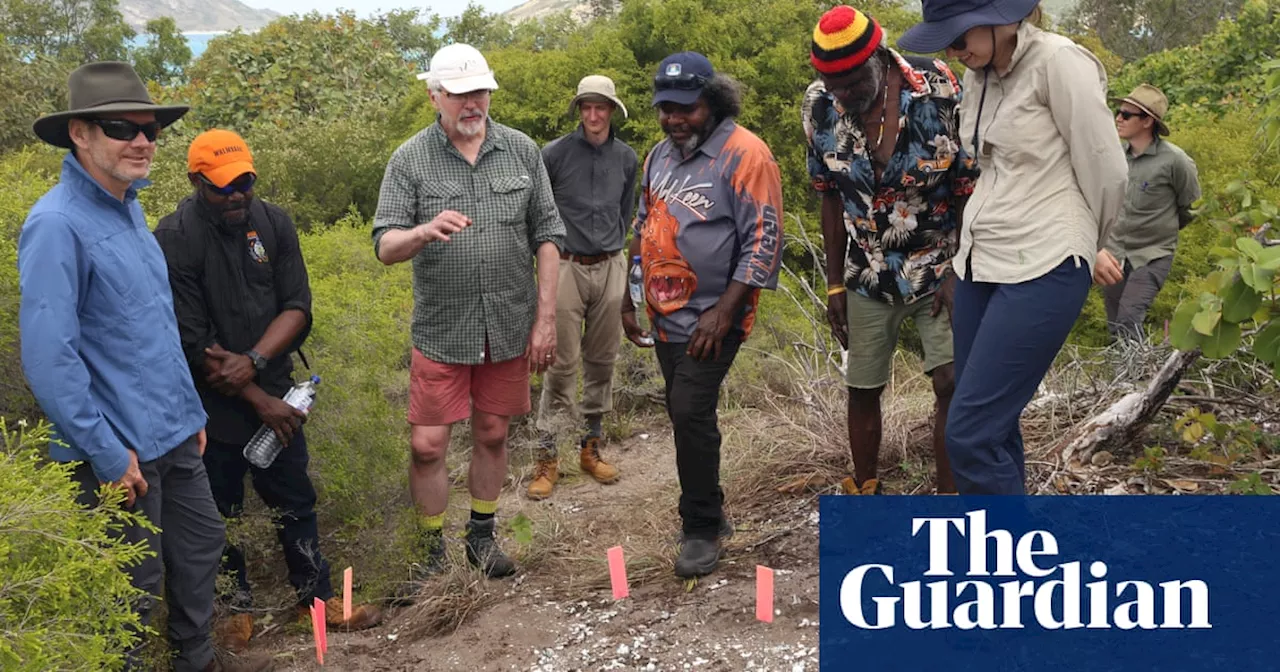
[(709, 234)]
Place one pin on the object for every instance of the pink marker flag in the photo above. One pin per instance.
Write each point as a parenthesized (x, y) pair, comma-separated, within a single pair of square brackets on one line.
[(346, 595), (618, 573), (323, 625), (764, 593), (315, 632)]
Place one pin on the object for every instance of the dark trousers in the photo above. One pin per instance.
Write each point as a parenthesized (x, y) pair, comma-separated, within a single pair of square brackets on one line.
[(187, 549), (1127, 301), (1006, 337), (692, 394), (286, 488)]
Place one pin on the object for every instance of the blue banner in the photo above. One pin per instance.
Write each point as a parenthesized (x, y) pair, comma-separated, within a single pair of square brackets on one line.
[(1048, 583)]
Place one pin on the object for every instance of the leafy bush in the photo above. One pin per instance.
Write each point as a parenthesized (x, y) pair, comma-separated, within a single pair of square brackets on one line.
[(64, 601)]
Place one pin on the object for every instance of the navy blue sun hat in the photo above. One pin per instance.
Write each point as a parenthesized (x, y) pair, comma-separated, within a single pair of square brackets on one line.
[(946, 20), (681, 78)]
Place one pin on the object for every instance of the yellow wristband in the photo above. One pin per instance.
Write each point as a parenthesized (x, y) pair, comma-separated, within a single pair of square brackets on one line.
[(838, 289)]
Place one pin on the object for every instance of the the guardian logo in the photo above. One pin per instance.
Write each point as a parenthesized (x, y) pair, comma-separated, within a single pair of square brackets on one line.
[(1051, 595)]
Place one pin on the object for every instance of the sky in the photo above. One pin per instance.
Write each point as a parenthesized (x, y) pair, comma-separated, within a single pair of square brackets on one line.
[(367, 7)]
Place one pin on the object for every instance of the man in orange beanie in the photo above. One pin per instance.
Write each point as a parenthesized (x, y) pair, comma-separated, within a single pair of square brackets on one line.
[(884, 152), (243, 305)]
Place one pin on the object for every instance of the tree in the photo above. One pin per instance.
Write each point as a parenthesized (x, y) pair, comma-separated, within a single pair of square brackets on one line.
[(72, 31), (165, 56), (1136, 28)]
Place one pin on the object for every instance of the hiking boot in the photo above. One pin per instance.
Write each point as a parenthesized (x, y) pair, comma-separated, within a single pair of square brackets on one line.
[(591, 463), (225, 661), (698, 557), (419, 572), (363, 616), (483, 551), (545, 475), (233, 633), (869, 487)]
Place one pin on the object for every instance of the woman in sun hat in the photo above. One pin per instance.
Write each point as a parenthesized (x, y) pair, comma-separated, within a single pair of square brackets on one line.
[(1053, 178)]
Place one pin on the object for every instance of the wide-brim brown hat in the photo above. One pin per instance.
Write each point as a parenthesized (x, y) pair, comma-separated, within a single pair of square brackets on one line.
[(1152, 102), (107, 87)]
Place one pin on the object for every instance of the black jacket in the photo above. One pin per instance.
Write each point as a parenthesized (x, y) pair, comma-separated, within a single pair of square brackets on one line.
[(228, 284)]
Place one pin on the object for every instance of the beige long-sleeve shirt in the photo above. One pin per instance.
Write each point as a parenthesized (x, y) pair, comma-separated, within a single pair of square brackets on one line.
[(1053, 170)]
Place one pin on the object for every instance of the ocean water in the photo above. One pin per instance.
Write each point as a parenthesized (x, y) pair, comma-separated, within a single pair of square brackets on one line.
[(198, 42)]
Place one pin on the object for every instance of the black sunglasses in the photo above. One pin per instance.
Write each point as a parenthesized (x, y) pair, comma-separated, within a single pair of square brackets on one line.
[(242, 184), (125, 130), (1127, 115), (959, 44), (690, 82)]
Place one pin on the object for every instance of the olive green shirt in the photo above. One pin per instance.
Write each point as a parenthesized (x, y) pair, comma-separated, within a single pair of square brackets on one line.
[(479, 290), (1163, 183)]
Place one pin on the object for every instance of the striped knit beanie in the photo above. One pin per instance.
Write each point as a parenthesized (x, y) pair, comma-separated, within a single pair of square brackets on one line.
[(843, 40)]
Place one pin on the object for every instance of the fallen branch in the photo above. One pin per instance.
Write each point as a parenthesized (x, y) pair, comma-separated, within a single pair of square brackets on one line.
[(1120, 424)]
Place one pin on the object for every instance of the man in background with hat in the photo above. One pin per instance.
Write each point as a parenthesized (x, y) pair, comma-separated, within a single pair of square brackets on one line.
[(593, 175), (243, 305), (884, 152), (1163, 183), (468, 201), (709, 236), (102, 354)]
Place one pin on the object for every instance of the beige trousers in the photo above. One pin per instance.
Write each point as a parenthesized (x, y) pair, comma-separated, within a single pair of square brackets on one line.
[(588, 329)]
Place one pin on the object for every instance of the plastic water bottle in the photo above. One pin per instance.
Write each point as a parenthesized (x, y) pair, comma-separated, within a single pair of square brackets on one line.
[(636, 284), (263, 448)]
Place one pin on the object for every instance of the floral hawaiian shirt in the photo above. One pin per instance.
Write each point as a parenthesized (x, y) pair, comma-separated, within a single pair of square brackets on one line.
[(902, 231)]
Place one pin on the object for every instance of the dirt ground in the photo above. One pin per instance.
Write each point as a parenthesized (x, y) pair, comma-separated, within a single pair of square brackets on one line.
[(544, 622)]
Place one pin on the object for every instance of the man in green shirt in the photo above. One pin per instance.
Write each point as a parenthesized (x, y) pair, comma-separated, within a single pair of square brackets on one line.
[(1162, 186), (468, 201)]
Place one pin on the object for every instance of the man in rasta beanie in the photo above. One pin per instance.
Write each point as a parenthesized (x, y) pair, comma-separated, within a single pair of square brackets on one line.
[(884, 152)]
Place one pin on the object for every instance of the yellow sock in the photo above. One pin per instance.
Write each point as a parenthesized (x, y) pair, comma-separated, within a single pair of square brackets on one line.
[(482, 510), (433, 523)]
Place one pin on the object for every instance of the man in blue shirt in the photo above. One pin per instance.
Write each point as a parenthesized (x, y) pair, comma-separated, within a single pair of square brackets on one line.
[(101, 352)]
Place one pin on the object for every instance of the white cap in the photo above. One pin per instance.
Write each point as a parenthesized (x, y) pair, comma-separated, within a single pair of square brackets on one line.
[(460, 68)]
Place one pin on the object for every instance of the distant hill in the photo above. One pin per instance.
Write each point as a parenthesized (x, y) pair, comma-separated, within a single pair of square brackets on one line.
[(197, 16), (532, 9), (535, 9)]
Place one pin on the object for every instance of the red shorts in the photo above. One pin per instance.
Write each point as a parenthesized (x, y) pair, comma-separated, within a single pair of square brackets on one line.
[(442, 394)]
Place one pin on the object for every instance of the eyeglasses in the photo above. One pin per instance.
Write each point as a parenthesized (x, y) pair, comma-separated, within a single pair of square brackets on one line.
[(689, 82), (242, 184), (1127, 115), (959, 44), (125, 130)]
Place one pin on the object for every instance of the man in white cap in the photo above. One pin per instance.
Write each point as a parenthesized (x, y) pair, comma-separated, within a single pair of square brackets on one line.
[(468, 201), (593, 174)]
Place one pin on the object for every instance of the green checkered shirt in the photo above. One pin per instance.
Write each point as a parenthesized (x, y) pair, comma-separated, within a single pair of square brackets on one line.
[(482, 283)]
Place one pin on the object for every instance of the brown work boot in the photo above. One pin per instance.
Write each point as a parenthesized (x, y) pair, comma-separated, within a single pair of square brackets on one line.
[(233, 633), (591, 462), (869, 487), (545, 475), (363, 616), (225, 661)]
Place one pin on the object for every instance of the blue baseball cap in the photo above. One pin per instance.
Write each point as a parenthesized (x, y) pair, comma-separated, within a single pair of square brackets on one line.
[(946, 20), (681, 78)]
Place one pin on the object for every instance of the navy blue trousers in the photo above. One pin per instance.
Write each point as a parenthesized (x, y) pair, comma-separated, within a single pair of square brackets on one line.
[(1006, 338), (286, 488)]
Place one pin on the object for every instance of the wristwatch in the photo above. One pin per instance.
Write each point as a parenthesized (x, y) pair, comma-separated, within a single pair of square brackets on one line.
[(259, 362)]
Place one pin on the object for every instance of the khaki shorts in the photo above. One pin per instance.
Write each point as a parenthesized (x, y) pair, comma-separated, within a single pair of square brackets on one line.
[(873, 337)]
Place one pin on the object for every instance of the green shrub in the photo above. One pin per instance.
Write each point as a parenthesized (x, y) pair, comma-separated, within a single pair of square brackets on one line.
[(64, 598)]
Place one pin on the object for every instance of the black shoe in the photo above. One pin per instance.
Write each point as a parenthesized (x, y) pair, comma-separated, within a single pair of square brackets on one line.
[(483, 551), (420, 572), (698, 557)]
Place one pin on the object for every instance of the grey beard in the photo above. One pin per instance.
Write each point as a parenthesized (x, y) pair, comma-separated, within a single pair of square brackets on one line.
[(691, 144)]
